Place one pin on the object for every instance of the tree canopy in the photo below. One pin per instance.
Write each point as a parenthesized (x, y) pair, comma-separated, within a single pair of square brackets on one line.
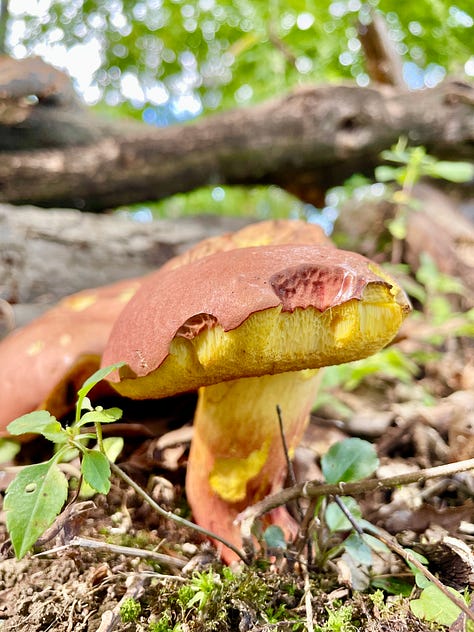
[(166, 60)]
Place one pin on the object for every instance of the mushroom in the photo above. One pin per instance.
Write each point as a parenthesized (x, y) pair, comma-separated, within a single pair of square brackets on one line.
[(45, 362), (267, 233), (249, 329)]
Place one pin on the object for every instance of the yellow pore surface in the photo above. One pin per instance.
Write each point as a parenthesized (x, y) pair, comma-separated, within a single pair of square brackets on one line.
[(272, 341)]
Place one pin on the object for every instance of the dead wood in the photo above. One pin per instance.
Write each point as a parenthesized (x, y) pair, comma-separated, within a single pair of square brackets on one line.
[(55, 152), (47, 254)]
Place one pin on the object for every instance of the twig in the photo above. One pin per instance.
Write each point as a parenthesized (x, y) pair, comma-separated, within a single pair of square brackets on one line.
[(110, 618), (409, 558), (406, 555), (384, 63), (314, 489), (170, 515), (307, 597), (278, 43), (302, 537), (161, 558), (304, 567), (289, 464)]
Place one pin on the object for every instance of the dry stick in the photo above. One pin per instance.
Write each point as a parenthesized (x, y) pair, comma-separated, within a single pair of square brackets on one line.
[(314, 489), (289, 464), (170, 515), (303, 532), (406, 555), (160, 558), (304, 565), (307, 598)]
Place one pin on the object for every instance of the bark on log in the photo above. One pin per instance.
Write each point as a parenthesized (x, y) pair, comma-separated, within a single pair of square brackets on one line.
[(45, 255), (306, 142)]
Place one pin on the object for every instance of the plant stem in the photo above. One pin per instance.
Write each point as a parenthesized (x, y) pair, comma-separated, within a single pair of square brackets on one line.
[(100, 441), (169, 514)]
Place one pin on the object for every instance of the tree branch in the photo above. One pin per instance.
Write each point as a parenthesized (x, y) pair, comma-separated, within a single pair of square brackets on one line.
[(306, 142)]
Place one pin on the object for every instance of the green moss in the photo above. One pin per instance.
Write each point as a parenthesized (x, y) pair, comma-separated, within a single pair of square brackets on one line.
[(219, 599), (130, 610)]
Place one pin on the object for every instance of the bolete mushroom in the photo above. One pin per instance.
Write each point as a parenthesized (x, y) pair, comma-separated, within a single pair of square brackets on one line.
[(249, 328), (44, 363), (267, 233)]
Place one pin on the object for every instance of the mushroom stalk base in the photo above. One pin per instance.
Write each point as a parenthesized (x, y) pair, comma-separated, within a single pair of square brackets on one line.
[(237, 455)]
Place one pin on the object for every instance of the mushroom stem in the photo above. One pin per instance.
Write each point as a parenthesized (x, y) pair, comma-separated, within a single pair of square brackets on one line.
[(237, 456)]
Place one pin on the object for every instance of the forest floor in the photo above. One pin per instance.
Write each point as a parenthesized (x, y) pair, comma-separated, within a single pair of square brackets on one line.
[(418, 414)]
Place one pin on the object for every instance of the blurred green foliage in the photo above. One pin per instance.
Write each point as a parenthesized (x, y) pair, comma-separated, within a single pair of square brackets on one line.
[(188, 55), (256, 202)]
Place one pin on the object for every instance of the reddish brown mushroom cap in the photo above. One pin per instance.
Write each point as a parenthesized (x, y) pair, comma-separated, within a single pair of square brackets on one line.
[(223, 291), (43, 363)]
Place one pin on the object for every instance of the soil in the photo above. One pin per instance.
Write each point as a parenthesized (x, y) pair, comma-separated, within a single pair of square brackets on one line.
[(423, 421)]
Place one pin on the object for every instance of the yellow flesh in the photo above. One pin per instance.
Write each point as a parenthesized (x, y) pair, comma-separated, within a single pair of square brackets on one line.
[(272, 341)]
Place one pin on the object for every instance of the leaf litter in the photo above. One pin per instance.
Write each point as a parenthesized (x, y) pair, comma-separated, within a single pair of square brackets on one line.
[(423, 422)]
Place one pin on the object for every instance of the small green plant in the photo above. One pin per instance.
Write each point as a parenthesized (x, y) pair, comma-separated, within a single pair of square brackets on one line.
[(339, 619), (130, 610), (347, 461), (36, 496), (164, 624), (413, 163), (199, 590)]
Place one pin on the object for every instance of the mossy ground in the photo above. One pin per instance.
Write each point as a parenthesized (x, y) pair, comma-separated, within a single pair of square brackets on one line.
[(87, 590)]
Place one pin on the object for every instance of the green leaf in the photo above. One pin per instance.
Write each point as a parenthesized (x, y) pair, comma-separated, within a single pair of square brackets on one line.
[(335, 517), (96, 470), (434, 605), (101, 416), (393, 585), (32, 501), (349, 460), (398, 227), (387, 174), (374, 543), (113, 446), (96, 377), (452, 171), (358, 549), (86, 404), (420, 578), (274, 537), (38, 422), (8, 450)]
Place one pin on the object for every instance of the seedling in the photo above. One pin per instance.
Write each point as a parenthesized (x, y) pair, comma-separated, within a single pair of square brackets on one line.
[(37, 495)]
